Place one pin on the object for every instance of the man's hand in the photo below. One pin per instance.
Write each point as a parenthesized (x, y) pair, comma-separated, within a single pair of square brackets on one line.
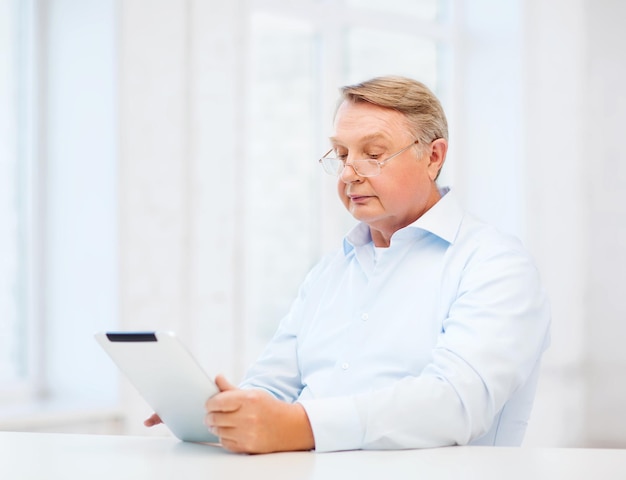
[(252, 421), (153, 420)]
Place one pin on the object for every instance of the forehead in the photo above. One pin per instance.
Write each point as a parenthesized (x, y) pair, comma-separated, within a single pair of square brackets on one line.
[(361, 121)]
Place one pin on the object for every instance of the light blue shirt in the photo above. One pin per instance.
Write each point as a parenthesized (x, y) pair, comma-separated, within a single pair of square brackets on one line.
[(435, 342)]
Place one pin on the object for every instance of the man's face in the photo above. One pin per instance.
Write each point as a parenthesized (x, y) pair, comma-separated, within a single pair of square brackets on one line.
[(405, 188)]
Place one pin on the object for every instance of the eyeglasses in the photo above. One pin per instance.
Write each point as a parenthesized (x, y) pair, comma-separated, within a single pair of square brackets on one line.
[(367, 167)]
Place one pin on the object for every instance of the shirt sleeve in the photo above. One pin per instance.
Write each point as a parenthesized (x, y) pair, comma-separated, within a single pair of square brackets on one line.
[(277, 370), (490, 343)]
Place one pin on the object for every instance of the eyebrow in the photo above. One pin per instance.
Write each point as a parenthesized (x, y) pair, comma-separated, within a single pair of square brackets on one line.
[(367, 138)]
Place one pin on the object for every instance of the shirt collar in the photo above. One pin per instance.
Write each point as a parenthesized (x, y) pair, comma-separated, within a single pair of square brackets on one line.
[(443, 219)]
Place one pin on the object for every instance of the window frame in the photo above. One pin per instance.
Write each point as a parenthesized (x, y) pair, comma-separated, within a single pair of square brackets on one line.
[(29, 327), (52, 396)]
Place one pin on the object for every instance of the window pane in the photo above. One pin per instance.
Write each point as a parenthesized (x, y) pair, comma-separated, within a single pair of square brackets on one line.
[(280, 170), (371, 53)]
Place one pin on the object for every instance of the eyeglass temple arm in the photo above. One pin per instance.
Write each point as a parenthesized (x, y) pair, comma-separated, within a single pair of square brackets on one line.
[(327, 153)]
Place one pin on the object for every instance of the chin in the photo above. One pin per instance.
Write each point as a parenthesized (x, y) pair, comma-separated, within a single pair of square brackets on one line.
[(362, 216)]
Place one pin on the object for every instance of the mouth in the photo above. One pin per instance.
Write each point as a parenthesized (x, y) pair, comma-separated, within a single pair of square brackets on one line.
[(358, 198)]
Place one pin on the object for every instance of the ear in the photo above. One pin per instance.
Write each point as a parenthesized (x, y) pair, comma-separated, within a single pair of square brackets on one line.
[(438, 150)]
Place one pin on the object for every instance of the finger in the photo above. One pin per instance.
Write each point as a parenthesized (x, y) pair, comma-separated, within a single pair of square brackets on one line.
[(224, 384), (227, 436), (218, 419), (228, 401), (153, 420), (230, 444)]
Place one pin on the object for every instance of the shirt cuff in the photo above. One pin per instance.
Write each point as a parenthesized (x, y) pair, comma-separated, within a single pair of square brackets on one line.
[(335, 422)]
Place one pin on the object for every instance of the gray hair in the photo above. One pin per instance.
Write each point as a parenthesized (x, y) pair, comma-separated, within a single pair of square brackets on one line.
[(415, 100)]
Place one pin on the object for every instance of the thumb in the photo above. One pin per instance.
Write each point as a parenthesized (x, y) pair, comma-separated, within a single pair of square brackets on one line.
[(224, 384)]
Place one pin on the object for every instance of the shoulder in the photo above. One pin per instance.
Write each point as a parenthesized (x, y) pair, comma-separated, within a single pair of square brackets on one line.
[(485, 254), (485, 240)]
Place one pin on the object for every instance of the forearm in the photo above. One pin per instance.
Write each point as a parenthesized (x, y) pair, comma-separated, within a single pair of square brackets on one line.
[(442, 406)]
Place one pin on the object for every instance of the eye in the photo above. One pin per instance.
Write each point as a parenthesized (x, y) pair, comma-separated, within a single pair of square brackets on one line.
[(341, 155), (373, 156)]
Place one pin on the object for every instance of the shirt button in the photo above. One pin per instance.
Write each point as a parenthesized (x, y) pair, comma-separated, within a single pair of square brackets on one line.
[(345, 366), (365, 317)]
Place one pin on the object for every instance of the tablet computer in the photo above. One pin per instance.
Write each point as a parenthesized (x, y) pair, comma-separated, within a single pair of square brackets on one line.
[(168, 378)]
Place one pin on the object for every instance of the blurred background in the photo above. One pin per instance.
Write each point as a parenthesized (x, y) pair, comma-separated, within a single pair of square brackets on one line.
[(158, 171)]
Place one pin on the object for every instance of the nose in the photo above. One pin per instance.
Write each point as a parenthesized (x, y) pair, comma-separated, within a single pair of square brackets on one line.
[(349, 175)]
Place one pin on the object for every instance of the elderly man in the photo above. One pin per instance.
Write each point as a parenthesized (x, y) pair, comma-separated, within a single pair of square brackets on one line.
[(424, 329)]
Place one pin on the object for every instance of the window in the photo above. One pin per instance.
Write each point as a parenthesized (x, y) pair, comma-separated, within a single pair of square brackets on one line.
[(58, 277), (297, 58), (16, 199)]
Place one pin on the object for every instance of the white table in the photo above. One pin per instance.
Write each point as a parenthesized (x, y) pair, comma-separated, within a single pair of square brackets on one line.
[(87, 457)]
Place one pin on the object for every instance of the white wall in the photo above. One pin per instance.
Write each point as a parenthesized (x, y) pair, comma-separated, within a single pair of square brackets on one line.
[(604, 189), (575, 112), (538, 151), (555, 82)]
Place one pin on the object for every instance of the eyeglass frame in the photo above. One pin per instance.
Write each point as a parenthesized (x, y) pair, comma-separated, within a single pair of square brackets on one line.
[(379, 163)]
